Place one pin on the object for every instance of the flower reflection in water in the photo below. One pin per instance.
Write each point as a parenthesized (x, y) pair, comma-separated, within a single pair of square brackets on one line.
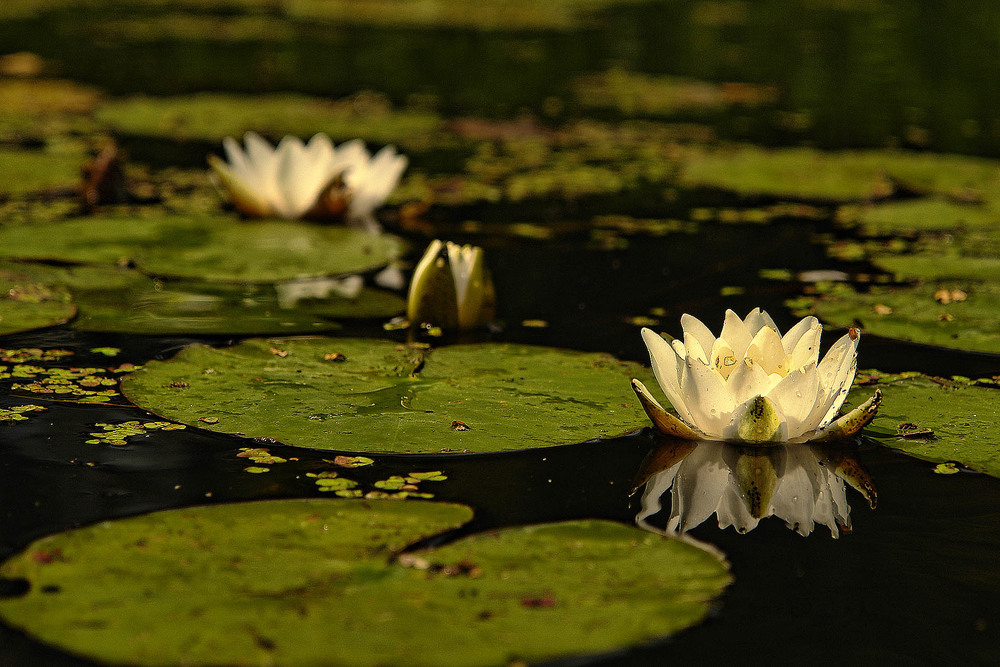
[(800, 484)]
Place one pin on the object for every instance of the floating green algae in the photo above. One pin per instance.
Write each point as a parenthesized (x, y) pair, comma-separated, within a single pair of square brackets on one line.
[(80, 385), (386, 397), (315, 582), (201, 247), (18, 413), (962, 417)]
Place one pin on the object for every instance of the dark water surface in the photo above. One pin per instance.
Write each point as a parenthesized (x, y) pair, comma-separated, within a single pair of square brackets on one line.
[(917, 579)]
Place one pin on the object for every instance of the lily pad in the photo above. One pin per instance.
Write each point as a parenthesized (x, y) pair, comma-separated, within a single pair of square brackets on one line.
[(24, 172), (923, 313), (215, 248), (911, 216), (126, 301), (312, 582), (635, 93), (30, 304), (382, 397), (210, 117), (848, 175), (962, 417)]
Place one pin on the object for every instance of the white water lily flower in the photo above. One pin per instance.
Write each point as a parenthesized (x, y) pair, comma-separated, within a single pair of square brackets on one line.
[(803, 485), (751, 384), (294, 180), (451, 288)]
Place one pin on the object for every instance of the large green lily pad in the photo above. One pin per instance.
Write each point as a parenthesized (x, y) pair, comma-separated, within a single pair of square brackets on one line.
[(964, 419), (123, 300), (848, 175), (215, 248), (29, 304), (922, 313), (313, 582), (384, 398)]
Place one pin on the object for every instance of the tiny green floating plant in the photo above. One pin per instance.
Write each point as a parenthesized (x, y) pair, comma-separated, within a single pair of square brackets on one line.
[(753, 385)]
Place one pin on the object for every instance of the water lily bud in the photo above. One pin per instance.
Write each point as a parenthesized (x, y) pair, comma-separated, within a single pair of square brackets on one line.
[(451, 288), (296, 180), (753, 385)]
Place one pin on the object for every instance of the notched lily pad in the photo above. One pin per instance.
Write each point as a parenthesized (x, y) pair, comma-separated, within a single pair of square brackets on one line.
[(314, 582), (386, 398), (954, 419)]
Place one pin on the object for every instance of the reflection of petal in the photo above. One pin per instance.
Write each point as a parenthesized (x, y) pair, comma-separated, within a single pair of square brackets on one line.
[(710, 476), (667, 453), (799, 484)]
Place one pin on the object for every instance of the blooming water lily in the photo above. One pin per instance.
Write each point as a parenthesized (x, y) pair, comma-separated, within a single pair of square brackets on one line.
[(801, 484), (451, 288), (316, 179), (753, 385)]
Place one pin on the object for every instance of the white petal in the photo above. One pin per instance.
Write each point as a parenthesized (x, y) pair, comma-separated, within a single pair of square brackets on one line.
[(693, 348), (692, 325), (797, 395), (806, 349), (765, 349), (666, 367), (236, 157), (756, 320), (259, 152), (371, 186), (708, 400), (747, 381), (836, 374), (791, 338), (298, 183), (735, 332), (723, 359)]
